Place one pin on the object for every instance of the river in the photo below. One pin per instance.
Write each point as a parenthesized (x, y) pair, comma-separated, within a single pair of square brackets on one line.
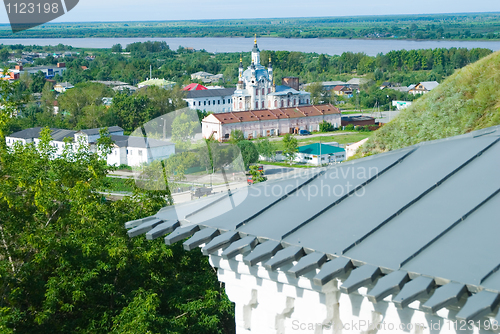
[(228, 44)]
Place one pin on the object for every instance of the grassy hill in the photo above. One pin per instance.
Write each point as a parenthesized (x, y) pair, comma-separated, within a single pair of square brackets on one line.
[(466, 101)]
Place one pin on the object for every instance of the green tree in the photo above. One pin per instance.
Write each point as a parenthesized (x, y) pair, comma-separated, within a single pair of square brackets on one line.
[(291, 147), (38, 82), (249, 152), (69, 266), (236, 136), (266, 148), (4, 54), (257, 175), (316, 90), (184, 127), (116, 48), (82, 95)]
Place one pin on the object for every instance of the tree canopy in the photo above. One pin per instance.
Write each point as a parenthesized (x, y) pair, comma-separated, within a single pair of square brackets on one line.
[(67, 264)]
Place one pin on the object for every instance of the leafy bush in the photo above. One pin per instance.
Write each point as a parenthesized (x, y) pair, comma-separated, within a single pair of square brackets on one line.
[(325, 126)]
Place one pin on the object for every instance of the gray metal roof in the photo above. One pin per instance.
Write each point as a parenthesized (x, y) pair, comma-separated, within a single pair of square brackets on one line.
[(420, 223), (111, 130), (32, 133), (219, 92), (138, 142)]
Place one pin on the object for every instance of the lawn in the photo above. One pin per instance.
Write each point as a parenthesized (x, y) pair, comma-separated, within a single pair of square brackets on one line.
[(118, 184), (340, 137)]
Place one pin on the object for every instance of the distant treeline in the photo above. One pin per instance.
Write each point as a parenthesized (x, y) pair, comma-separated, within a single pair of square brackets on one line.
[(420, 27)]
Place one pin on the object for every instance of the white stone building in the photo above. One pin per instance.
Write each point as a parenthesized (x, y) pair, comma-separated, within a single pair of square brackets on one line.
[(256, 89), (214, 100), (127, 150)]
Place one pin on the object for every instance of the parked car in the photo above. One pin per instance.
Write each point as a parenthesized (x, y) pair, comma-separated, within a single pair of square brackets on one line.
[(304, 133), (199, 192)]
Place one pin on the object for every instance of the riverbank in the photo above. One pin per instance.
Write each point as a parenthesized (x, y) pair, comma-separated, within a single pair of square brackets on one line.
[(331, 46)]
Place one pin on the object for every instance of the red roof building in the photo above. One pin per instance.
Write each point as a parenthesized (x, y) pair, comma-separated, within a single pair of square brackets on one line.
[(266, 122), (194, 86)]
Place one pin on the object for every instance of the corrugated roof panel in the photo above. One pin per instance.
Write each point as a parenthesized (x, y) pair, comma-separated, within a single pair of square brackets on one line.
[(289, 214), (468, 252), (359, 216), (411, 230), (253, 204)]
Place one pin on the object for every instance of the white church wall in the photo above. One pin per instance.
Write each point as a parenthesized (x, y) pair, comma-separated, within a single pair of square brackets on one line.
[(275, 302)]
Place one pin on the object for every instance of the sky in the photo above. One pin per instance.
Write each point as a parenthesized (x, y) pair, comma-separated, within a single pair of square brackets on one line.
[(160, 10)]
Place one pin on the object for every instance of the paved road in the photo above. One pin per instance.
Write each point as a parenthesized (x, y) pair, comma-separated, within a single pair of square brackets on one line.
[(271, 172)]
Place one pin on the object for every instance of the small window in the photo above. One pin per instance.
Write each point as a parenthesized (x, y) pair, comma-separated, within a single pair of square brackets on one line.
[(218, 101), (263, 91), (223, 101), (204, 103), (116, 152), (140, 153), (213, 102), (131, 152), (199, 103), (256, 105)]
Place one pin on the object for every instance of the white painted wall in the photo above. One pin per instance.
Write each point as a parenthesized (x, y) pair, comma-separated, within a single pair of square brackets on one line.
[(214, 104), (273, 302)]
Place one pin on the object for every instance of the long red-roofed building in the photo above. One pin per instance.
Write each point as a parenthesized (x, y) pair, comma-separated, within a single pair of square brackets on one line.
[(266, 122)]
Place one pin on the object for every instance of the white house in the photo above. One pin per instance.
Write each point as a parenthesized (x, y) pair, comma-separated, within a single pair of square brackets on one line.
[(267, 122), (127, 150), (63, 86), (213, 100), (162, 83), (207, 77), (136, 151), (423, 87), (400, 105), (320, 154)]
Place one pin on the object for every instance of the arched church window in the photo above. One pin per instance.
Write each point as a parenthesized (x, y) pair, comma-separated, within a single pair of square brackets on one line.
[(262, 104), (263, 91), (275, 103)]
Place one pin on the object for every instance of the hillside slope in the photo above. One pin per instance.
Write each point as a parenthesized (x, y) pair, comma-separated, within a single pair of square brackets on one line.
[(466, 101)]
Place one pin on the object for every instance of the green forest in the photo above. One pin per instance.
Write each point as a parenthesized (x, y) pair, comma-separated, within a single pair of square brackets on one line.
[(420, 27)]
